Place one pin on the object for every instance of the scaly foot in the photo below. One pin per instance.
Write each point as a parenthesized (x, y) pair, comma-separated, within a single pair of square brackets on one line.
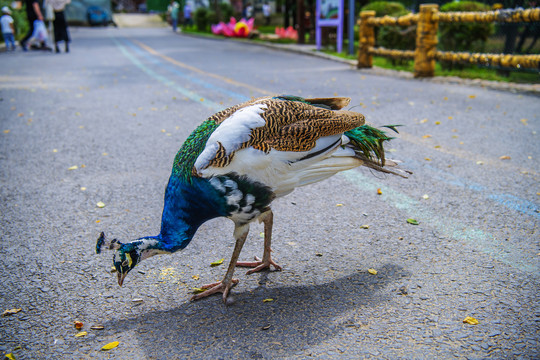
[(214, 288), (259, 265)]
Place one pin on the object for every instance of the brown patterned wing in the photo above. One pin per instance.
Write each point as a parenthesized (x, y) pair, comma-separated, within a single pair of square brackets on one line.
[(296, 126), (282, 125)]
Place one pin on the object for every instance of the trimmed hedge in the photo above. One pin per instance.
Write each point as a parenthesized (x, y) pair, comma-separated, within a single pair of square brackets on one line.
[(393, 37), (464, 36)]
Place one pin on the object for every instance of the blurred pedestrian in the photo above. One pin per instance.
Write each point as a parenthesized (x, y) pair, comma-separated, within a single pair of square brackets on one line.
[(174, 9), (35, 20), (266, 12), (187, 15), (59, 23), (248, 12), (8, 29)]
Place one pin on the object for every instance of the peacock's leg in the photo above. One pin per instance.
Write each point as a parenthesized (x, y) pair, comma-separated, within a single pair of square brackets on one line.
[(223, 286), (258, 265)]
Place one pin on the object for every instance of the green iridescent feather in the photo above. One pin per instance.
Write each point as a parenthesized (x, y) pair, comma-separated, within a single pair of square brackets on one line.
[(190, 150), (369, 141)]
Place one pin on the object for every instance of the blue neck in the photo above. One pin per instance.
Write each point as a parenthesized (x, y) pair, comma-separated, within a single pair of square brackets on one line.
[(187, 206)]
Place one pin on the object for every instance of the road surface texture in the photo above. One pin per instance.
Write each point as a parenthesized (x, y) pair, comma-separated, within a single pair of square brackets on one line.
[(103, 124)]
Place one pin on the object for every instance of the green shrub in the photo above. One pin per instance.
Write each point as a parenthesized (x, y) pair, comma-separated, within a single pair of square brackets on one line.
[(226, 12), (201, 19), (382, 8), (20, 22), (211, 17), (460, 36), (393, 37)]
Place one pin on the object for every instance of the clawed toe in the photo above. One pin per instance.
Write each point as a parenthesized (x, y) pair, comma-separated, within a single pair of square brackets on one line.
[(214, 288), (259, 265)]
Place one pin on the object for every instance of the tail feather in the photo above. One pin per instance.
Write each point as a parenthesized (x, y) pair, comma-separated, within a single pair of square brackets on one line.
[(389, 163), (368, 144), (335, 103)]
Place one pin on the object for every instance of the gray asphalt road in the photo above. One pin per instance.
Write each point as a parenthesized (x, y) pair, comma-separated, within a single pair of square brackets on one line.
[(119, 106)]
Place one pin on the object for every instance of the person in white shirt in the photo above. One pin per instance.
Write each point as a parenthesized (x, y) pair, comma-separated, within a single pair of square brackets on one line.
[(8, 29), (266, 12)]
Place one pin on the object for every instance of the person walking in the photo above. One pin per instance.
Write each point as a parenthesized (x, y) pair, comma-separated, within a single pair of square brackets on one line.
[(187, 15), (266, 12), (33, 13), (174, 9), (8, 29), (59, 23)]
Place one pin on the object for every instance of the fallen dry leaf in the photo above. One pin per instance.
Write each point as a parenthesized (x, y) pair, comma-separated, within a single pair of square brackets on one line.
[(10, 356), (470, 320), (267, 300), (11, 312), (412, 221), (427, 136), (196, 290), (379, 191), (78, 325), (372, 271), (74, 167), (110, 345), (364, 227), (6, 131), (339, 204), (97, 327), (425, 196), (195, 277), (81, 334), (100, 204), (505, 157), (472, 96)]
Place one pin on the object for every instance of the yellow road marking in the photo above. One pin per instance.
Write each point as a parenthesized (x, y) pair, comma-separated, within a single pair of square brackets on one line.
[(197, 70)]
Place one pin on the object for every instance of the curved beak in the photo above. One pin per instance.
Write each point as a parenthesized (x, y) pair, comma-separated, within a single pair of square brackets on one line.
[(121, 277)]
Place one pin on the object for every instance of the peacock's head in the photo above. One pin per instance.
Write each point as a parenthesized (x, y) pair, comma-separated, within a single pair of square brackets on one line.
[(125, 259), (128, 255)]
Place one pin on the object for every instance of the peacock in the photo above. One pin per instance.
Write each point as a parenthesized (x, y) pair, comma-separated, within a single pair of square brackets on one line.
[(242, 158)]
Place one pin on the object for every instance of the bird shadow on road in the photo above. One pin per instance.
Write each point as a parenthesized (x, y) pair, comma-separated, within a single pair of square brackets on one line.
[(298, 318)]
